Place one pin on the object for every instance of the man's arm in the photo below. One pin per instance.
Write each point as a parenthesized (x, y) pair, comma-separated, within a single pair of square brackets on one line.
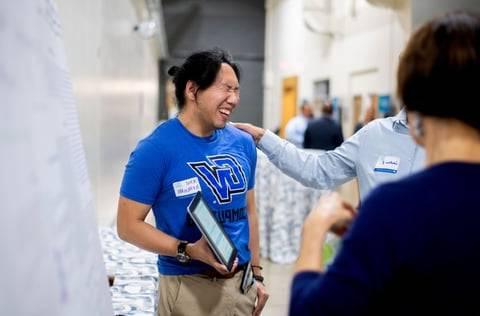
[(254, 245), (254, 239), (321, 171), (131, 227)]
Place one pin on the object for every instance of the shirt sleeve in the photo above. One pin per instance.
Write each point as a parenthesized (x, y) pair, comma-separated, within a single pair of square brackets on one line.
[(143, 174), (359, 273), (321, 171)]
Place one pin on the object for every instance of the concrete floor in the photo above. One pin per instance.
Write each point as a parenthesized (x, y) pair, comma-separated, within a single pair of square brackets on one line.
[(278, 278)]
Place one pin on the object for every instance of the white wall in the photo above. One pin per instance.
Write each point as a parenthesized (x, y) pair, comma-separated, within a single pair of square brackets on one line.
[(283, 53), (425, 10), (366, 39), (114, 75)]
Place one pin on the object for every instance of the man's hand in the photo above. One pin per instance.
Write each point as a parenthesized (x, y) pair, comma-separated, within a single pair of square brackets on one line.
[(200, 251), (255, 131), (262, 297)]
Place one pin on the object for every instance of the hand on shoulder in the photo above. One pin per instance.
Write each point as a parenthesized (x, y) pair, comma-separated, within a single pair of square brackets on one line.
[(255, 131)]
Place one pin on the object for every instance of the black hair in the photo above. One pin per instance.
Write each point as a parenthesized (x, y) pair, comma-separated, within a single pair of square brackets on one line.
[(439, 71), (201, 68)]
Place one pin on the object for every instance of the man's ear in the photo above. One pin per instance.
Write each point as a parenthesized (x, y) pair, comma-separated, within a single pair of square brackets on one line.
[(191, 89)]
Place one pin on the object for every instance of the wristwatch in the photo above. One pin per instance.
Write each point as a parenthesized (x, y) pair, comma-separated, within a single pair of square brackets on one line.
[(182, 252), (258, 278)]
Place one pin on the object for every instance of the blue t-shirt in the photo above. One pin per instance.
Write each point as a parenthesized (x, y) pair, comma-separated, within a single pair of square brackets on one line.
[(168, 167)]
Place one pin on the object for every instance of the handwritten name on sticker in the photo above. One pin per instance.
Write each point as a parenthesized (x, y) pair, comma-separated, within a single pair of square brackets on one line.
[(387, 164), (186, 187)]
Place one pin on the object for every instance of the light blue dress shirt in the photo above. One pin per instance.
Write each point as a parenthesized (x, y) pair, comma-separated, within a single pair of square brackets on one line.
[(382, 151), (295, 130)]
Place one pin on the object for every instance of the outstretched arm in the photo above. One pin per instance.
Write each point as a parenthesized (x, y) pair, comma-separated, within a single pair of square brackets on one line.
[(321, 171)]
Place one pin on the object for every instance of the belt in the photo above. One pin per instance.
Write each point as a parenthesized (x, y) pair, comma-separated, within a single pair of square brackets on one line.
[(212, 273)]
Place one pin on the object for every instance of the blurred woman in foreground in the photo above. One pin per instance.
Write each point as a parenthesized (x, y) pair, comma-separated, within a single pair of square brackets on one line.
[(415, 246)]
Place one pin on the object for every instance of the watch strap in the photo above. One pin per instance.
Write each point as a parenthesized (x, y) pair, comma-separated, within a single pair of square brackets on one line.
[(258, 278), (182, 255)]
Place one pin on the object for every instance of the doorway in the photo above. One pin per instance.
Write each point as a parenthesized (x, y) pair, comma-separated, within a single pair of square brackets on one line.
[(289, 101)]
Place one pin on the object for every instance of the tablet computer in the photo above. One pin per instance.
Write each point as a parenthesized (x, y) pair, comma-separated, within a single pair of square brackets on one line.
[(221, 245)]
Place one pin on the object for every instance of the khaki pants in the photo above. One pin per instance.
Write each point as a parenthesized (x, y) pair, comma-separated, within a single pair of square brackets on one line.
[(197, 295)]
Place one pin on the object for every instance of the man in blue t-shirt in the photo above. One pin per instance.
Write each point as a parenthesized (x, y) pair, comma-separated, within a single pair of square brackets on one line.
[(196, 151)]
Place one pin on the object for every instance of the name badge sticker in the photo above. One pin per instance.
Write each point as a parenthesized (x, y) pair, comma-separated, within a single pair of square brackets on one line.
[(387, 164), (186, 187)]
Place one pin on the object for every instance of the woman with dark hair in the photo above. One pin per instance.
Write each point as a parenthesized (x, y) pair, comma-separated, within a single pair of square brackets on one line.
[(414, 247), (197, 151)]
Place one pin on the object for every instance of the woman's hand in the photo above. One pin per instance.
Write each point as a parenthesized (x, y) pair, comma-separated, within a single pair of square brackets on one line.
[(331, 213)]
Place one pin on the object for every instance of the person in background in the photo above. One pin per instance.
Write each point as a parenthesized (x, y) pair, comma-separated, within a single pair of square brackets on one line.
[(392, 111), (367, 118), (295, 128), (196, 151), (413, 249), (323, 133)]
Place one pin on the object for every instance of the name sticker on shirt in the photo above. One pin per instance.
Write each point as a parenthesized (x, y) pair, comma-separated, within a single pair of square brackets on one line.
[(186, 187), (387, 164)]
